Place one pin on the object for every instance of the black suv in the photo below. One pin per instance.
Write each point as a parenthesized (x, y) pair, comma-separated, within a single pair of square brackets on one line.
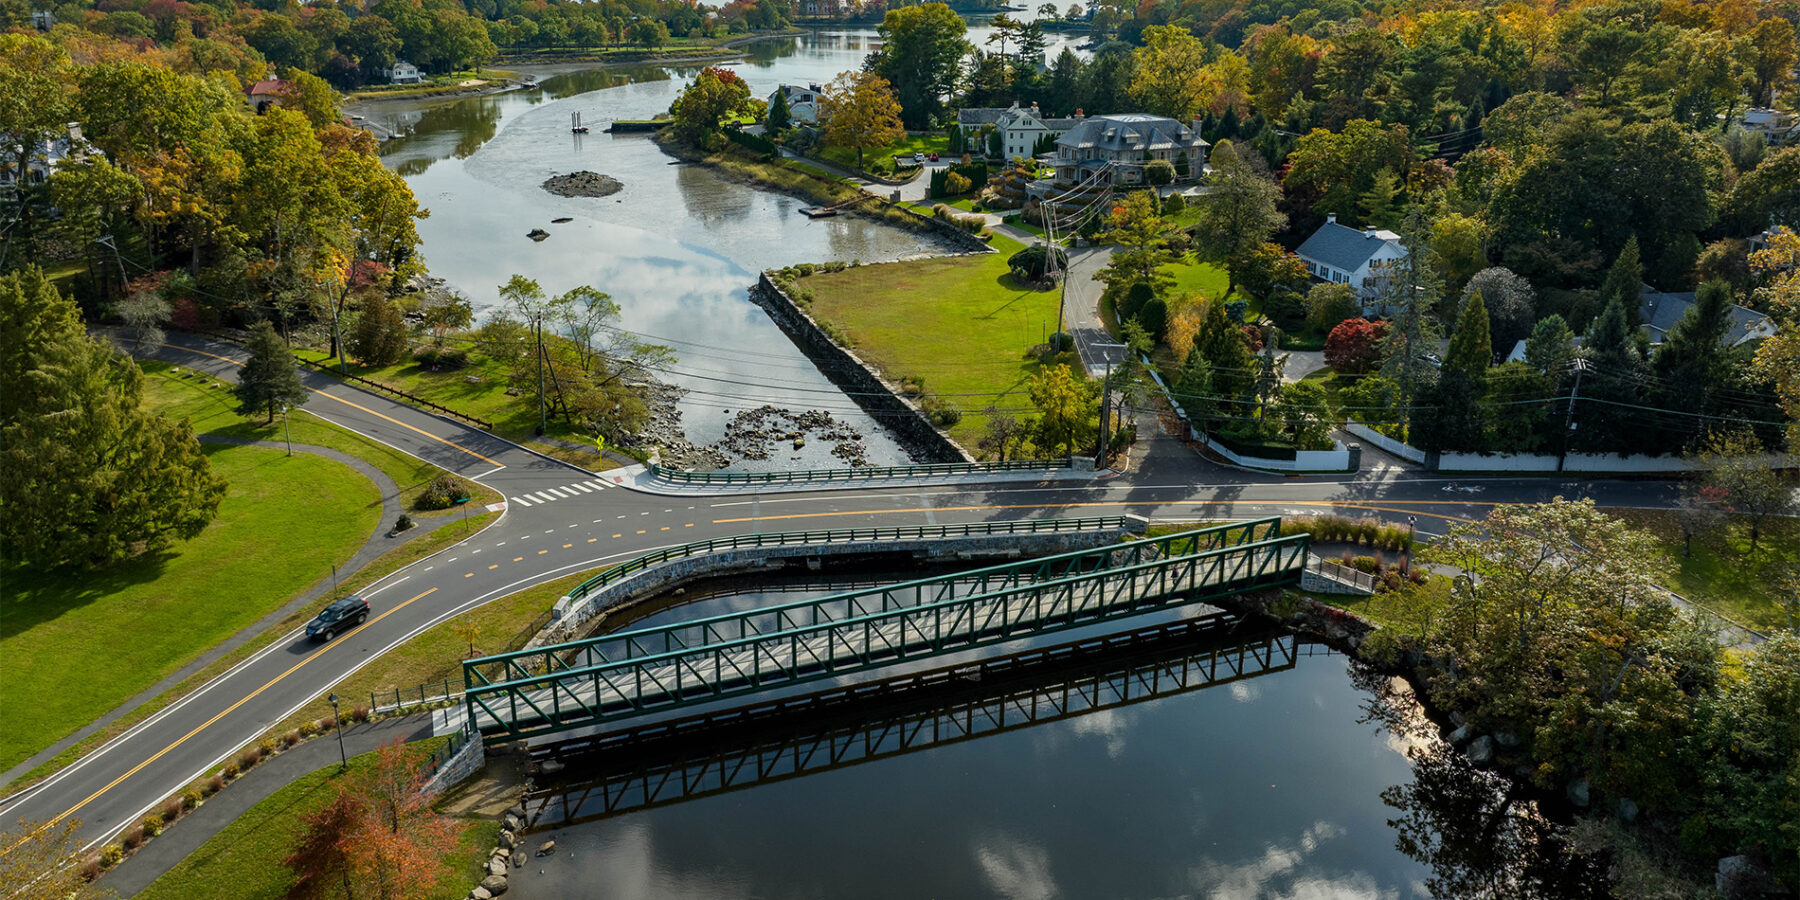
[(338, 616)]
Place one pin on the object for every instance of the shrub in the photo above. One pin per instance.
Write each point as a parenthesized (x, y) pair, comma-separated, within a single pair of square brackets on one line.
[(1354, 346), (956, 183), (152, 825), (133, 837), (441, 357), (911, 386), (267, 748), (359, 714), (214, 785), (90, 867), (232, 770), (1286, 309), (308, 729), (112, 855), (291, 738), (173, 808), (443, 492), (1174, 205), (248, 759), (404, 522), (1366, 564), (941, 412), (1154, 316), (1034, 262), (1390, 580), (1136, 296), (326, 724), (1159, 172), (191, 797), (1062, 342)]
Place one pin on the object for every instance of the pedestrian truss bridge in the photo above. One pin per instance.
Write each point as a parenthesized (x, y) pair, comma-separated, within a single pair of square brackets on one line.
[(619, 677)]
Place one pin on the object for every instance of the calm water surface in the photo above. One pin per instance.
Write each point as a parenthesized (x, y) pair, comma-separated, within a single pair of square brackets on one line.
[(677, 248), (1269, 786)]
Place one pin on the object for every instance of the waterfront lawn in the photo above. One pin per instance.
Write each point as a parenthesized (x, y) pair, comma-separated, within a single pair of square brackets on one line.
[(961, 323), (79, 643), (207, 403), (1722, 573), (243, 861), (912, 143)]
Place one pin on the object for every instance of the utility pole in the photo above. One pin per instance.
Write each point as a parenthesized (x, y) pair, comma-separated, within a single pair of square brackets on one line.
[(1581, 365), (537, 322), (1105, 413)]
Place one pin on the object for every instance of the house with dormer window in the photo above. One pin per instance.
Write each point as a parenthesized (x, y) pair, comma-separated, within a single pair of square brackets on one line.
[(1359, 257)]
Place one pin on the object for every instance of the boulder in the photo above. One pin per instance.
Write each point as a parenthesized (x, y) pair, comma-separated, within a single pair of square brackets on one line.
[(1578, 792), (1508, 739), (495, 885), (1481, 751), (497, 866), (1462, 735), (537, 234), (546, 848), (517, 811), (551, 767), (507, 840), (480, 893)]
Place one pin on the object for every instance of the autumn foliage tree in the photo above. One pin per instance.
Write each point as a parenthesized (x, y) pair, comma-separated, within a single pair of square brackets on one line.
[(861, 111), (378, 837), (1354, 346)]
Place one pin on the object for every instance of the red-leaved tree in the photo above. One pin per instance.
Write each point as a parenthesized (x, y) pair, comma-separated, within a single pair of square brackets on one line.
[(379, 837), (1354, 346)]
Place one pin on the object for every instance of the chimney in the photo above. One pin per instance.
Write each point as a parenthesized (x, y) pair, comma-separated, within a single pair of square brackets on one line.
[(1368, 231), (1197, 129), (1331, 218)]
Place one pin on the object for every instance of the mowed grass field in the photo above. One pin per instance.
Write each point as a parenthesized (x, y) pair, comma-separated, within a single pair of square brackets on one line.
[(79, 643), (244, 861), (960, 323)]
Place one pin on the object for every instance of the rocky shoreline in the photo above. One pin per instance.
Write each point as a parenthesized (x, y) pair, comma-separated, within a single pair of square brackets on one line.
[(751, 435)]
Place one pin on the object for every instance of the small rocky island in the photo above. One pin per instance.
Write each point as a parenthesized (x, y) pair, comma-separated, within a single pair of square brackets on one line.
[(583, 184)]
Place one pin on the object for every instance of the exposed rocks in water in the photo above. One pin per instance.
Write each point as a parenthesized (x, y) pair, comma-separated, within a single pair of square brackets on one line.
[(749, 434), (664, 432), (537, 234), (583, 184)]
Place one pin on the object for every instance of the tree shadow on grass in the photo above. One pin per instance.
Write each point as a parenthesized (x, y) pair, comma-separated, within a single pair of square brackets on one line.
[(35, 596), (1008, 283)]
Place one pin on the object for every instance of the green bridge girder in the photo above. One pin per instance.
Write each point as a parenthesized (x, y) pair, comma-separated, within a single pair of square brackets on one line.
[(833, 636)]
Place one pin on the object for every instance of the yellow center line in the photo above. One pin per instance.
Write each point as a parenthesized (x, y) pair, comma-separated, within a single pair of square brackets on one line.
[(227, 711), (542, 552), (591, 540), (468, 574), (640, 531), (665, 528), (444, 441), (567, 546), (493, 567), (688, 525), (618, 535), (1328, 504), (518, 558)]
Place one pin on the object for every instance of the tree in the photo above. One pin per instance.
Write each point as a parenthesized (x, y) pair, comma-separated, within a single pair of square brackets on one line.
[(1692, 363), (715, 95), (1304, 410), (1237, 215), (1511, 304), (89, 476), (1002, 432), (1194, 390), (321, 860), (1142, 236), (1773, 48), (1380, 203), (1471, 351), (1413, 292), (1698, 512), (1159, 172), (144, 312), (920, 54), (1328, 303), (1065, 406), (1778, 359), (780, 117), (380, 335), (35, 94), (1625, 280), (1037, 262), (1331, 170), (1457, 250), (379, 827), (1171, 73), (44, 859), (1354, 346), (859, 110), (1550, 346), (1747, 485), (270, 381)]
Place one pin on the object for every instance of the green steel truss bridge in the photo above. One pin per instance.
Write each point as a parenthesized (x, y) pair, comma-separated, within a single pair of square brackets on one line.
[(618, 677), (665, 763)]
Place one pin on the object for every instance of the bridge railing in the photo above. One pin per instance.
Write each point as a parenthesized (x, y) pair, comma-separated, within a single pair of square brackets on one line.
[(801, 476), (838, 607), (621, 689), (785, 538)]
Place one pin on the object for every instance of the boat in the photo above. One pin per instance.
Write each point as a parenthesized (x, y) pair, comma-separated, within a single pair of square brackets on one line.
[(575, 125)]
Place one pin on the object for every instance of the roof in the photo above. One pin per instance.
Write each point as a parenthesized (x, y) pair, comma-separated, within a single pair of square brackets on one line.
[(1662, 310), (1133, 131), (268, 86), (1342, 247), (986, 115)]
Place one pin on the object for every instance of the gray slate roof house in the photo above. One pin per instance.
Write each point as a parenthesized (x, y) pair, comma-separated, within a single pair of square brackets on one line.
[(1127, 142), (1662, 310), (1345, 255)]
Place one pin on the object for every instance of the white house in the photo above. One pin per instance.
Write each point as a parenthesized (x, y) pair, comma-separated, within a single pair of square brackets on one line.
[(802, 102), (1021, 128), (1776, 126), (43, 19), (1357, 257), (404, 72), (44, 158)]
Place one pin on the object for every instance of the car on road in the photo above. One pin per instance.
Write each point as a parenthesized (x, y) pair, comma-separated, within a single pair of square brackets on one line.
[(340, 616), (919, 158), (934, 157)]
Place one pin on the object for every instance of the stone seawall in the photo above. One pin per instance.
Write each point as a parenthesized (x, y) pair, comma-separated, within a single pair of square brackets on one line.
[(901, 417), (576, 616)]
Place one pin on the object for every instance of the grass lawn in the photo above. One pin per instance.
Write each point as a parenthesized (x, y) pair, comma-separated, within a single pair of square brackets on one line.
[(208, 405), (243, 862), (961, 323), (1722, 573), (906, 146), (92, 640), (1197, 278)]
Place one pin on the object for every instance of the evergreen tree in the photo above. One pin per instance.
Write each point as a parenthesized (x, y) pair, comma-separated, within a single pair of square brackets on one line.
[(1450, 417), (269, 380), (779, 117), (1380, 203), (1221, 343), (380, 335), (1470, 350), (1194, 389), (1693, 362), (1412, 293), (1550, 346), (1615, 377), (1625, 280), (89, 476)]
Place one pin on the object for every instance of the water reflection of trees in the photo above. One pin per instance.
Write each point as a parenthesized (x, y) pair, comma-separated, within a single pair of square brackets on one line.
[(1478, 832), (568, 84), (710, 199), (453, 129)]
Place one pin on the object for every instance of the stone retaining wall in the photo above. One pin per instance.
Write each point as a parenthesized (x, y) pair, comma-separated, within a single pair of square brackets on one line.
[(574, 617), (857, 378), (466, 762)]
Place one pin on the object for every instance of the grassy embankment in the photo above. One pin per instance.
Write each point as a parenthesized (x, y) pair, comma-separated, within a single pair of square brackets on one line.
[(453, 83), (962, 324), (478, 390), (243, 861), (96, 639), (880, 159)]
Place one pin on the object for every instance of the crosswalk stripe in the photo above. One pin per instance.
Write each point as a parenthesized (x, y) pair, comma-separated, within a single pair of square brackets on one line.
[(597, 483), (540, 497), (562, 492), (519, 501), (582, 488)]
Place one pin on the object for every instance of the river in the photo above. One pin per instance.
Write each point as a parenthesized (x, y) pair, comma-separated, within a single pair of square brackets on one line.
[(678, 248)]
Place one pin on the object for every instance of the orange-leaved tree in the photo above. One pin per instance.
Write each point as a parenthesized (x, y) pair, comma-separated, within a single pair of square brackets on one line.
[(378, 837)]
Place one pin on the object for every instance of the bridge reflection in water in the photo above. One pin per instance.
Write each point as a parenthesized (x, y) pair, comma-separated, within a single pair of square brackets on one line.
[(674, 761)]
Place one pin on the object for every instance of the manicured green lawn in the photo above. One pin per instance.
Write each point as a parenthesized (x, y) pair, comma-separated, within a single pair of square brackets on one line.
[(78, 643), (906, 146), (208, 405), (1197, 278), (961, 323), (1722, 573), (243, 861)]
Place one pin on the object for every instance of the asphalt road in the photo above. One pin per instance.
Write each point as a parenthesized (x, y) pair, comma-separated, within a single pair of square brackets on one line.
[(597, 523)]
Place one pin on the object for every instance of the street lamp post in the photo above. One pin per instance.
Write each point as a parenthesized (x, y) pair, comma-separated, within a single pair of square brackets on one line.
[(1411, 521), (287, 429), (338, 723)]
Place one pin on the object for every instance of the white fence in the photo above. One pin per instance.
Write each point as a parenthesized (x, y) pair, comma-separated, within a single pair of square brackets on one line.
[(1404, 451), (1608, 463), (1336, 459)]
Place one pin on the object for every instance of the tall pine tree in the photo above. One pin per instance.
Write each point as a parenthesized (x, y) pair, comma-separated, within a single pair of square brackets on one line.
[(1471, 351), (269, 380), (1625, 281)]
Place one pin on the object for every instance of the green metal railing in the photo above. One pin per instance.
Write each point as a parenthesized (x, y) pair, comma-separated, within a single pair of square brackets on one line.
[(382, 701), (656, 641), (786, 538), (683, 476), (622, 689)]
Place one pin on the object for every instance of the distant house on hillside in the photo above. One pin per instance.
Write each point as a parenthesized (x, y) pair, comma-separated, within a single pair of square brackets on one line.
[(404, 72), (1775, 125), (43, 159), (1661, 311), (43, 19), (267, 93), (1020, 128), (802, 102), (1357, 257)]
